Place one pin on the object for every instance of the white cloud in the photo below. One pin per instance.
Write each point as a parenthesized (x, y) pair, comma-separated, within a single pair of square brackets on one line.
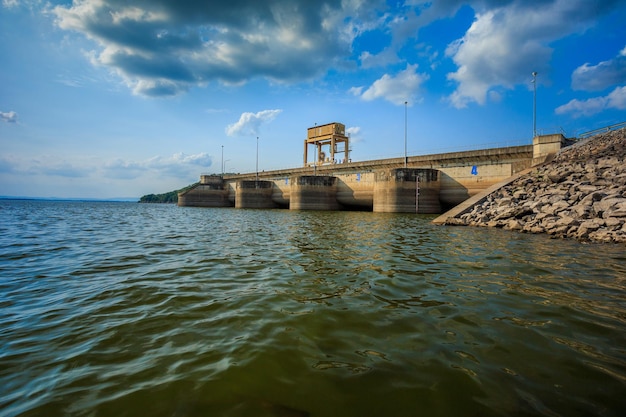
[(505, 44), (9, 117), (355, 91), (403, 87), (179, 165), (616, 99), (249, 124), (354, 133), (48, 166), (598, 77), (123, 170), (494, 52), (10, 3), (84, 176)]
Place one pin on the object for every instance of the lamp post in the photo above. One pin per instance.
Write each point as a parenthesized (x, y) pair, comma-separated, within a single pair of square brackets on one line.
[(534, 104), (257, 158), (222, 160), (405, 124)]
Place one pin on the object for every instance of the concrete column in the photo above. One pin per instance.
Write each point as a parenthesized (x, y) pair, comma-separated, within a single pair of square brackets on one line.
[(407, 190), (545, 146), (309, 192), (254, 194), (210, 192)]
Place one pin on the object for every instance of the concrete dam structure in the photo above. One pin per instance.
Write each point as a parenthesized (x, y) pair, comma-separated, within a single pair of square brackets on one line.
[(428, 184)]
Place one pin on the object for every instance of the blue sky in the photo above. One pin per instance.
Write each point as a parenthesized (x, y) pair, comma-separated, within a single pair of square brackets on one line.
[(121, 98)]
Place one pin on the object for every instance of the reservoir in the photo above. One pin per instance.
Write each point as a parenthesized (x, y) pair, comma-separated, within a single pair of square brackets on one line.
[(125, 309)]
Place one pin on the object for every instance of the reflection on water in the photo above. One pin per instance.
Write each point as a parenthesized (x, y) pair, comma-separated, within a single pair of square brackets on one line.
[(113, 309)]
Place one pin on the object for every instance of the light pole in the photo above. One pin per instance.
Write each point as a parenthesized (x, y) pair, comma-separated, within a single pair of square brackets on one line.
[(257, 158), (222, 160), (405, 124), (534, 104), (315, 153)]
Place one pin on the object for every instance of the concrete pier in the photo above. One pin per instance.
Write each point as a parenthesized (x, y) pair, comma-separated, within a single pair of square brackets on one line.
[(254, 194), (309, 192), (406, 190), (212, 191)]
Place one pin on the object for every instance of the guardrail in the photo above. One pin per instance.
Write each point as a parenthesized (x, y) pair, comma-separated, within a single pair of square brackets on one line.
[(601, 130)]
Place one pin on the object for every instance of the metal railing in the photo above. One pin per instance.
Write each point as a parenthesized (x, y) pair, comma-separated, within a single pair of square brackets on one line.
[(601, 130)]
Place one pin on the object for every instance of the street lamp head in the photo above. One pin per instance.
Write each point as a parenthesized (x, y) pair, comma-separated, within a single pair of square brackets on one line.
[(534, 73)]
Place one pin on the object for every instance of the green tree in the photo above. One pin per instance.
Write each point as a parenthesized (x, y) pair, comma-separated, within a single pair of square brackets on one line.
[(169, 197)]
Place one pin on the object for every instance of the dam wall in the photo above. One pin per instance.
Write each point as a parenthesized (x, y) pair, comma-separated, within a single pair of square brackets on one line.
[(355, 190), (422, 184)]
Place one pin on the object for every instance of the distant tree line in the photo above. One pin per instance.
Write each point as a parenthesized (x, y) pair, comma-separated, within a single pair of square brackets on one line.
[(170, 197)]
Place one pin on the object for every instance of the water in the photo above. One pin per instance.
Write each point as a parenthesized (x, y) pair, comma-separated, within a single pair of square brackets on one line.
[(122, 309)]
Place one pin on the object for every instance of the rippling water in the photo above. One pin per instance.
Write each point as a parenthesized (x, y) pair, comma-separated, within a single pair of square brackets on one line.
[(122, 309)]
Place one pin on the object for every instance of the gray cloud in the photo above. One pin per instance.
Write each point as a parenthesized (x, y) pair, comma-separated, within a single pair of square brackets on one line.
[(161, 47)]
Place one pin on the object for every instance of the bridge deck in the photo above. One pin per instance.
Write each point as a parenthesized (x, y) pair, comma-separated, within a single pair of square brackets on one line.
[(434, 161)]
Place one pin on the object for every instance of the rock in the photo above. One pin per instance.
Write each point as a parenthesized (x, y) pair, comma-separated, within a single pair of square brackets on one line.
[(614, 223), (516, 212), (582, 211), (559, 206), (567, 221), (586, 188), (590, 225), (513, 224), (455, 222), (607, 204), (619, 212), (557, 177), (520, 194)]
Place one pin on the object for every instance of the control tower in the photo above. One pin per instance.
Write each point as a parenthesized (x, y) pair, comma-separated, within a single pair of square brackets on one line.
[(328, 141)]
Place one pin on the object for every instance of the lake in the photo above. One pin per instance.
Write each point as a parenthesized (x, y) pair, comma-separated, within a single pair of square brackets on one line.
[(125, 309)]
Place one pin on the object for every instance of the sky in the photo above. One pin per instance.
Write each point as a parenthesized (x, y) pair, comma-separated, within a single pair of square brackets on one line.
[(122, 98)]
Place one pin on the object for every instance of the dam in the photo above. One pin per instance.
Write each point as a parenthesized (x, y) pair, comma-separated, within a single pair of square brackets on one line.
[(426, 184)]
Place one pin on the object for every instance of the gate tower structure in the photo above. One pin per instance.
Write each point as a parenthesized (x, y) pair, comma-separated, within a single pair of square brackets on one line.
[(328, 140)]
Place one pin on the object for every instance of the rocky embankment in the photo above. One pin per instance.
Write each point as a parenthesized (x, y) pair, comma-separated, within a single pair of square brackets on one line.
[(580, 194)]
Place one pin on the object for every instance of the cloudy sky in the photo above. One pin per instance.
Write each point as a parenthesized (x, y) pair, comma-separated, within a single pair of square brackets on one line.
[(121, 98)]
